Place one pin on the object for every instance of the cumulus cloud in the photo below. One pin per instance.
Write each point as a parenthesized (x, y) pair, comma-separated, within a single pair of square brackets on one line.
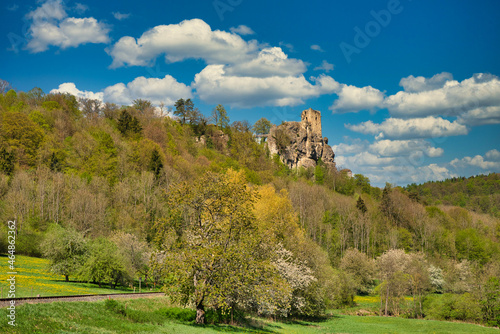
[(354, 99), (413, 84), (428, 127), (357, 146), (70, 87), (325, 66), (51, 26), (493, 155), (316, 47), (477, 161), (400, 170), (214, 85), (452, 99), (242, 30), (391, 148), (165, 90), (121, 16), (269, 62), (480, 116), (189, 39)]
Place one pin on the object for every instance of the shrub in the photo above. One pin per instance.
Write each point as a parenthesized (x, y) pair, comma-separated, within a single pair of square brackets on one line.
[(114, 306), (179, 314), (462, 307)]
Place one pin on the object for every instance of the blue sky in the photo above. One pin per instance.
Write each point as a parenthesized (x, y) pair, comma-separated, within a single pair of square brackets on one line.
[(409, 90)]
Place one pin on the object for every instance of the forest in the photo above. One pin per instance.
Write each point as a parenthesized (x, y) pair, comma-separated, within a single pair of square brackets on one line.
[(197, 205)]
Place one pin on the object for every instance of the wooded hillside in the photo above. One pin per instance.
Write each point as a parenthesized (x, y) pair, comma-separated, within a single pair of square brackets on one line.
[(111, 193)]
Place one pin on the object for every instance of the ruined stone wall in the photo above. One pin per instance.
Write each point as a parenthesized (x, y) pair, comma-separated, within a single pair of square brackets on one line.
[(300, 144), (312, 118)]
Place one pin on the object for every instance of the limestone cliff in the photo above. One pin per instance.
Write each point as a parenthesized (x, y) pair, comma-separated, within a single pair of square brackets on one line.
[(301, 144)]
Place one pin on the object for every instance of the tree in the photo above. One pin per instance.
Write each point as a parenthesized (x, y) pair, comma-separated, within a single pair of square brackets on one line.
[(491, 301), (104, 264), (184, 109), (4, 86), (155, 163), (142, 105), (262, 126), (360, 205), (218, 261), (91, 108), (128, 124), (134, 252), (22, 135), (220, 118), (392, 267), (65, 248), (319, 173), (7, 160), (361, 268)]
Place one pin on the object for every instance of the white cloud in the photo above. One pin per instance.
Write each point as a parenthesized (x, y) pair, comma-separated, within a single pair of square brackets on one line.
[(325, 66), (166, 90), (480, 116), (214, 85), (121, 16), (354, 99), (428, 127), (51, 26), (452, 99), (343, 149), (188, 39), (391, 148), (269, 62), (477, 161), (493, 155), (242, 30), (316, 47), (364, 159), (399, 170), (413, 84), (70, 87)]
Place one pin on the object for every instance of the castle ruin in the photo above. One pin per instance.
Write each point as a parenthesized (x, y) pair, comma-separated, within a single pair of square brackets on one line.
[(301, 144)]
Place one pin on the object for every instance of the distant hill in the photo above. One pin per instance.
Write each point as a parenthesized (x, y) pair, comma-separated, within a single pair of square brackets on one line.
[(479, 193)]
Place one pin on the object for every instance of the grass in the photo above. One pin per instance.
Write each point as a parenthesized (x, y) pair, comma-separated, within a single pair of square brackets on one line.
[(33, 278), (155, 315)]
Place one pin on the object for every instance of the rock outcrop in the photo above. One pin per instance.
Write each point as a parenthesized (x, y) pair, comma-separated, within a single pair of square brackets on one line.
[(301, 144)]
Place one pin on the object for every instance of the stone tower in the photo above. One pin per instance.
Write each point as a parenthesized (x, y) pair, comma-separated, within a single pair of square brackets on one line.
[(312, 120)]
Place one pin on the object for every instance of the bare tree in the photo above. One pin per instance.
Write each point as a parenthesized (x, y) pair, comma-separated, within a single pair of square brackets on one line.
[(4, 86)]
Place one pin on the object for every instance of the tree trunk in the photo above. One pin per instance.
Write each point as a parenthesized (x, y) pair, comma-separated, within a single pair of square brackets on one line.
[(386, 299), (200, 313), (67, 278)]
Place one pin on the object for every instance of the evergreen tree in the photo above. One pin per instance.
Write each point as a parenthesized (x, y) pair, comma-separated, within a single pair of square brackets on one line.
[(155, 163), (6, 161), (55, 164), (360, 205), (128, 124)]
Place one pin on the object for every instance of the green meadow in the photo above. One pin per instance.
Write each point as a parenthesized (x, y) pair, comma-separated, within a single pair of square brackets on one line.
[(33, 278), (155, 315)]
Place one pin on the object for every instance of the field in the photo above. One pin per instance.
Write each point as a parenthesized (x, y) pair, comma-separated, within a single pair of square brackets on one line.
[(152, 316), (33, 278)]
